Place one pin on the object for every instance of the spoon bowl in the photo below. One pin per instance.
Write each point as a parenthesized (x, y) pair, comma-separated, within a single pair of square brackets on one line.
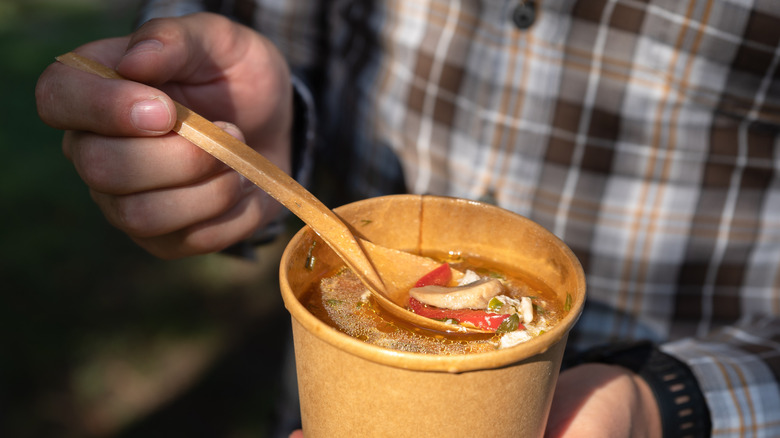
[(387, 273)]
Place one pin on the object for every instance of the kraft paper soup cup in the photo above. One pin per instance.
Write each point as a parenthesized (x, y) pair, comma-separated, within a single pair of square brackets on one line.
[(351, 388)]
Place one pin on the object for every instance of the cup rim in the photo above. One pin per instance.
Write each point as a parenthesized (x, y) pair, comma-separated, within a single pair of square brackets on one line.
[(429, 362)]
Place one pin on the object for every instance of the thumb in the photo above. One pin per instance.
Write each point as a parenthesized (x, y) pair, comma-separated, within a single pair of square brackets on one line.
[(193, 49)]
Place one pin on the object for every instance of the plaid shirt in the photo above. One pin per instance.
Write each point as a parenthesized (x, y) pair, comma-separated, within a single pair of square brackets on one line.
[(644, 133)]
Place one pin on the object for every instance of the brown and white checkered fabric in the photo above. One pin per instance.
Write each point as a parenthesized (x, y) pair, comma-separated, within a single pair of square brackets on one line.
[(644, 133)]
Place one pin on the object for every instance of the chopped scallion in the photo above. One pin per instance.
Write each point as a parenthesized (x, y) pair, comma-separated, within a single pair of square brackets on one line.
[(495, 304)]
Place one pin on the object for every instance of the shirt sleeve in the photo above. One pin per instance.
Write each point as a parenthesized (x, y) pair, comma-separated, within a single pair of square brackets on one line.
[(150, 9), (737, 368)]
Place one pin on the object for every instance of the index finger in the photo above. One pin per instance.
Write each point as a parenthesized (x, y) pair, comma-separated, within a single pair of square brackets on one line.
[(68, 98)]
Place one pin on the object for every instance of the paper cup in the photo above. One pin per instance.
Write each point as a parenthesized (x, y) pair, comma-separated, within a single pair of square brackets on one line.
[(351, 388)]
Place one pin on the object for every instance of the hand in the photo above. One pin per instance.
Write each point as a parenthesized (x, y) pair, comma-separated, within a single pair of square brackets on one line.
[(168, 195), (605, 401)]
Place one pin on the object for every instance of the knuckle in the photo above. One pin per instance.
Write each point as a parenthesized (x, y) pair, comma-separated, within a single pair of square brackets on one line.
[(165, 28), (92, 163), (197, 162), (133, 215)]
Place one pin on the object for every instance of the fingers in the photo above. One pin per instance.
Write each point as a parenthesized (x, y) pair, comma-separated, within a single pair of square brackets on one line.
[(189, 56), (157, 212), (222, 70), (165, 193), (196, 219), (168, 195), (234, 225), (121, 166), (193, 49), (71, 99)]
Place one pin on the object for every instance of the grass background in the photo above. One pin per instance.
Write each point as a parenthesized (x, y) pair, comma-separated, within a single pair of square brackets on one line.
[(97, 338)]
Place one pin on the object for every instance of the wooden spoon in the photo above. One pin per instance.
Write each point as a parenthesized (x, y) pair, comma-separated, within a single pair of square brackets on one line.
[(386, 272)]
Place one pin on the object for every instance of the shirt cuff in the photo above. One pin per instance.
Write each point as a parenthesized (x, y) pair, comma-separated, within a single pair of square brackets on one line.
[(737, 371)]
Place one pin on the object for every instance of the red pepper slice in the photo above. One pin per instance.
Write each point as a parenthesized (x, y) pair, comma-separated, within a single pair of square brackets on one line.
[(440, 276), (479, 318)]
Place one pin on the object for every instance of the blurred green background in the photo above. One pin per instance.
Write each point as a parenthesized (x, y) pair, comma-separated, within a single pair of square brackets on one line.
[(97, 338)]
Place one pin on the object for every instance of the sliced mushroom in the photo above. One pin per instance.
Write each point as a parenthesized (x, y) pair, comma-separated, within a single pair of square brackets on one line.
[(474, 295)]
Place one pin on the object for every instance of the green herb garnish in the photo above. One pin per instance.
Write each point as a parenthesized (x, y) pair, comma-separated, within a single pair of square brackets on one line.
[(510, 324), (495, 304), (567, 305)]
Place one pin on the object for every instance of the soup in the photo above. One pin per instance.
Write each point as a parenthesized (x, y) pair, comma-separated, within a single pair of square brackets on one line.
[(341, 300)]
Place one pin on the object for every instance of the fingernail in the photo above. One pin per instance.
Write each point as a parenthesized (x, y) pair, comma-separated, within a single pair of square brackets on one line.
[(231, 129), (145, 46), (151, 115)]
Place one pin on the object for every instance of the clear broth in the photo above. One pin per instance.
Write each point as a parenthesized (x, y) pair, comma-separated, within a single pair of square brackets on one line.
[(340, 300)]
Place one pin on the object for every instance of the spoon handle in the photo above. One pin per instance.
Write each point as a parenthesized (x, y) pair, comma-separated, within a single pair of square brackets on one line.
[(256, 168)]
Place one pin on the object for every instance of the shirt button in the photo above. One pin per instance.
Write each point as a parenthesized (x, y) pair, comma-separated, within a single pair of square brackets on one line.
[(524, 14)]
